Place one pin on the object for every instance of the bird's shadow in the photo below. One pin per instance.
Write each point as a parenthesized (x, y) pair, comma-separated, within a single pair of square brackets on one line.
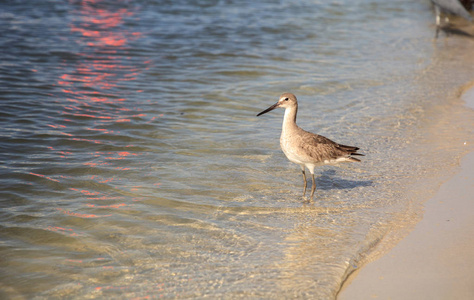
[(329, 181), (451, 30)]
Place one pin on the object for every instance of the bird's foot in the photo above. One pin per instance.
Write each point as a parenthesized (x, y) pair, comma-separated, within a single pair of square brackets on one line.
[(307, 200)]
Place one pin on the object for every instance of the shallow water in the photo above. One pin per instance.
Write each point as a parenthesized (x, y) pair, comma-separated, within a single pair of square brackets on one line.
[(133, 165)]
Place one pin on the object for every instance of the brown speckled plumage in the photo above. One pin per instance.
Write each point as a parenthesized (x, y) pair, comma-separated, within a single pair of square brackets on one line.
[(305, 148)]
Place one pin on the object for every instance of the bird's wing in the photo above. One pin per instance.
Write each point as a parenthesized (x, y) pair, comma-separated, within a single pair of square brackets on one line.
[(322, 148)]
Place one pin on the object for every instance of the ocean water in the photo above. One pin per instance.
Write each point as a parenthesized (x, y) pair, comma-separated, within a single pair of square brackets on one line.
[(132, 164)]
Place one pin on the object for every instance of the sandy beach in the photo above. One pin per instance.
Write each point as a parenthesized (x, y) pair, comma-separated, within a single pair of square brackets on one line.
[(435, 261)]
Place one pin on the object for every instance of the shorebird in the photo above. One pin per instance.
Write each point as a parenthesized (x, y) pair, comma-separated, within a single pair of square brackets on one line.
[(305, 148), (455, 7)]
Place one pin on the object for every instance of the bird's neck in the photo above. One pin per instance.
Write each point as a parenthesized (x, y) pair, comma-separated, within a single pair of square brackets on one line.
[(289, 119)]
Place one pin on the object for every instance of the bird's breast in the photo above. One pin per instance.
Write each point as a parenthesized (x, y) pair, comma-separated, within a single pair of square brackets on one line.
[(291, 148)]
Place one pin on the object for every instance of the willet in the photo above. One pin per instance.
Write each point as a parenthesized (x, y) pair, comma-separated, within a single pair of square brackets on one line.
[(455, 7), (305, 148)]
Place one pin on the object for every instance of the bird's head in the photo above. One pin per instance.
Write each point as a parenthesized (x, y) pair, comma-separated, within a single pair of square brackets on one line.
[(286, 100)]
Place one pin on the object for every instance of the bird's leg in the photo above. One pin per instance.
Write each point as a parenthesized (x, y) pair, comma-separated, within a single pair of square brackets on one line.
[(305, 183), (438, 15), (438, 20), (313, 187)]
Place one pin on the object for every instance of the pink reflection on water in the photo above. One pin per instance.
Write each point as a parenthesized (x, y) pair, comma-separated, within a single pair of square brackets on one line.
[(102, 130), (121, 155), (93, 90), (79, 215), (44, 176), (107, 206), (65, 231)]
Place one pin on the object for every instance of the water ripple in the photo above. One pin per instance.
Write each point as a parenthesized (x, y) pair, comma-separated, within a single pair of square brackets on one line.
[(132, 163)]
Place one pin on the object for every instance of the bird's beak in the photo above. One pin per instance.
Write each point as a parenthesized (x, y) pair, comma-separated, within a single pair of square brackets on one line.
[(269, 109)]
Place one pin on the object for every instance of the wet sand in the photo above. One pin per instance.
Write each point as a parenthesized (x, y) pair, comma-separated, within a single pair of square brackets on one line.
[(435, 261)]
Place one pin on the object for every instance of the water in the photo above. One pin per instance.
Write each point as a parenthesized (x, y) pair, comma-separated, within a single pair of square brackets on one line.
[(133, 166)]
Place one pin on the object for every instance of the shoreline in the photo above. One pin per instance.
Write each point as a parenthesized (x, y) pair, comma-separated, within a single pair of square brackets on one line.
[(434, 261)]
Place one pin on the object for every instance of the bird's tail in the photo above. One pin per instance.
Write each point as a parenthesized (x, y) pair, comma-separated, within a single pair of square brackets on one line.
[(353, 159), (351, 150)]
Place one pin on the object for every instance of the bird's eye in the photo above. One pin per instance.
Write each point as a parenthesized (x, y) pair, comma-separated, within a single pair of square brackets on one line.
[(286, 99)]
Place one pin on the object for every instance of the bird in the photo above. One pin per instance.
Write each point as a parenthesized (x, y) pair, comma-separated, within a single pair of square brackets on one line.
[(454, 7), (307, 149)]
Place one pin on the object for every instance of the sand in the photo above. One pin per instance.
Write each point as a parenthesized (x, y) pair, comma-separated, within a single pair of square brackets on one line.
[(436, 260)]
